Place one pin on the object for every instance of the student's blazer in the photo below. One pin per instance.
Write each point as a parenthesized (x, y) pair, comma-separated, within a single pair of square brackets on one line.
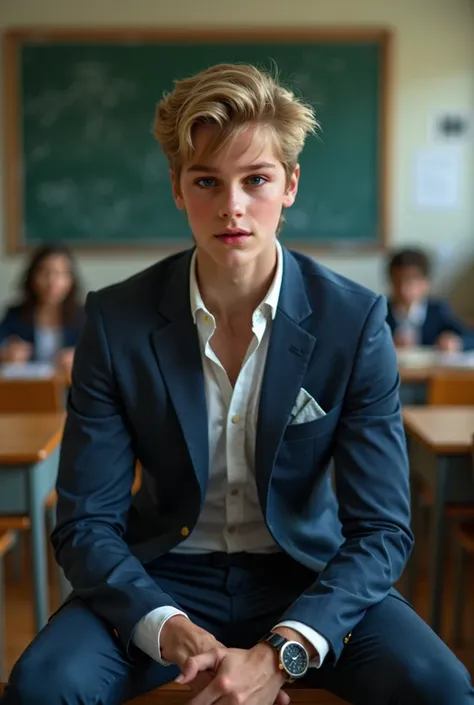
[(138, 393)]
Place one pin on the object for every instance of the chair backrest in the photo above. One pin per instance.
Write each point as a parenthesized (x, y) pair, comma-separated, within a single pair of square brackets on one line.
[(472, 451), (451, 388), (31, 396)]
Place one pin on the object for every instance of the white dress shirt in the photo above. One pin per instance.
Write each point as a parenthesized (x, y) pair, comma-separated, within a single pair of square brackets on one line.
[(411, 321), (231, 518)]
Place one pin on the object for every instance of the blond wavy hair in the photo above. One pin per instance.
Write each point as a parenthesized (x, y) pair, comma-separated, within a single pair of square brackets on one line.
[(231, 96)]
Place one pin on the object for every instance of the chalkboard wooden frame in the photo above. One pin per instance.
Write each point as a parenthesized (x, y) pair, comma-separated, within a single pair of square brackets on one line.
[(14, 38)]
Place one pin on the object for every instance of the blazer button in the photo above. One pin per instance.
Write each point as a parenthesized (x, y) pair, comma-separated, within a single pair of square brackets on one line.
[(185, 531), (346, 638)]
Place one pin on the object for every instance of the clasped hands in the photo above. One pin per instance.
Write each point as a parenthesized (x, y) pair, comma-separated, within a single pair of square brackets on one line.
[(220, 675)]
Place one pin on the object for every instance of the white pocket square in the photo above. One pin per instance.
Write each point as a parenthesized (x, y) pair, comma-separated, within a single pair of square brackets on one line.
[(305, 409)]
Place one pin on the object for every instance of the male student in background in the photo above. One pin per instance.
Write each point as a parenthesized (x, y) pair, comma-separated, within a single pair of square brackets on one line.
[(235, 372), (414, 316)]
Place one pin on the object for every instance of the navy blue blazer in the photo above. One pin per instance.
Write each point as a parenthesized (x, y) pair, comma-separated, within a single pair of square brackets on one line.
[(138, 392), (14, 324), (439, 319)]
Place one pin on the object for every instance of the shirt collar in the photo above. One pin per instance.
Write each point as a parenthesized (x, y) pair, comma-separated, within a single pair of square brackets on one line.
[(416, 314), (270, 302)]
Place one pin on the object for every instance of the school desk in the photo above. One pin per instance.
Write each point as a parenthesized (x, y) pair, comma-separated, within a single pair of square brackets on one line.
[(29, 454), (440, 442)]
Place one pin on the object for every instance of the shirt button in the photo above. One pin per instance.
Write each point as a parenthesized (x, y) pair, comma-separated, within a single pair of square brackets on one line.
[(184, 531), (234, 492), (235, 419), (231, 529)]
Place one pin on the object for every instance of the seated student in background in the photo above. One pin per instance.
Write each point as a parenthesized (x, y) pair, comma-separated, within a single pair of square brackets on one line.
[(416, 318), (45, 324)]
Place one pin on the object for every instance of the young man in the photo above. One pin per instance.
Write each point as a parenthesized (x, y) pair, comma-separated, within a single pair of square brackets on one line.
[(413, 316), (235, 372)]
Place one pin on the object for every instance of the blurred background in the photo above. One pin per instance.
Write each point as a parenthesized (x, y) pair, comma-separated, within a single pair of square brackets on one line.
[(431, 75), (414, 154)]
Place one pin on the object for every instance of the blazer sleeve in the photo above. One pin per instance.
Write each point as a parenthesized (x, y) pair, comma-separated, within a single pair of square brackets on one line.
[(449, 322), (96, 472), (372, 485), (6, 325)]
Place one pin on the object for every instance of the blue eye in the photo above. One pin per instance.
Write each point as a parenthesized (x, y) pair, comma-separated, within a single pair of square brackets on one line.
[(257, 180), (206, 182)]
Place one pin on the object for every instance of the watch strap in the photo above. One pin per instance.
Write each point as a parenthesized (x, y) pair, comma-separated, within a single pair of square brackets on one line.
[(275, 640)]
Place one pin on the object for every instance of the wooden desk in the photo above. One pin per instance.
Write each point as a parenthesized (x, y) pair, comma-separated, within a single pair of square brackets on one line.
[(424, 374), (29, 452), (172, 694), (440, 444), (415, 381)]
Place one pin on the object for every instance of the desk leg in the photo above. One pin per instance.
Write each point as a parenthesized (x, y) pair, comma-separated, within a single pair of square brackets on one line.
[(438, 545), (38, 548)]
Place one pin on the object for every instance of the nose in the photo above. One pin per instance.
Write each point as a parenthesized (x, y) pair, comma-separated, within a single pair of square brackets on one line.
[(231, 205)]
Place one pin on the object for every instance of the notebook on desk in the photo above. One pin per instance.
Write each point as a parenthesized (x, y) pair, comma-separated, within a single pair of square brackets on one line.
[(431, 357), (27, 370)]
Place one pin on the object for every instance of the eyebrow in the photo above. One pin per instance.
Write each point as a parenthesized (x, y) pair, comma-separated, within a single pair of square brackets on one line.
[(216, 170)]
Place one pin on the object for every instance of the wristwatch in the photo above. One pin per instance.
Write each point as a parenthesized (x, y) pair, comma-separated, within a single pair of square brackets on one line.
[(292, 656)]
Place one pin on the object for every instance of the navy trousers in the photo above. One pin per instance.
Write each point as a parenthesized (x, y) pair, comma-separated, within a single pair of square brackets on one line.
[(392, 658)]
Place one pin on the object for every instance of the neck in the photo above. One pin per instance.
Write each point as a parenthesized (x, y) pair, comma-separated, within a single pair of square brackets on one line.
[(235, 293), (48, 313)]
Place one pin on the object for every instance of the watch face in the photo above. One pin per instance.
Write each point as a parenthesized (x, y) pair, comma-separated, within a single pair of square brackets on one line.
[(295, 659)]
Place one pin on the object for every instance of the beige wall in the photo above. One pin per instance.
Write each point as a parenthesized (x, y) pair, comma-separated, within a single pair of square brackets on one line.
[(433, 69)]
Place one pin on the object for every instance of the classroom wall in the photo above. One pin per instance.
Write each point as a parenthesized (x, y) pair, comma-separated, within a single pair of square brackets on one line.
[(433, 70)]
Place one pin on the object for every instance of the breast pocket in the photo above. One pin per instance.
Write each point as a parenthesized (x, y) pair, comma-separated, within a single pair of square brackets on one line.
[(313, 429)]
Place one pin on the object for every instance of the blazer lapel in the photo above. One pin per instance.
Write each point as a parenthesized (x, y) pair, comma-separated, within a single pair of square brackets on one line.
[(288, 355), (176, 346)]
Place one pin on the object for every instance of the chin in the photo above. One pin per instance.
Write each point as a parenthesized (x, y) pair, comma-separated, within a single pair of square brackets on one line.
[(228, 254), (233, 258)]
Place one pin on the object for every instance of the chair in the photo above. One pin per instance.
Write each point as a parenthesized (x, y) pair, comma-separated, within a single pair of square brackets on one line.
[(451, 387), (19, 396), (464, 538), (172, 694), (7, 540)]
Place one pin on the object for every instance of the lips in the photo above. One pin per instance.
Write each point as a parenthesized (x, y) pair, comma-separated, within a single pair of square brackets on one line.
[(233, 232)]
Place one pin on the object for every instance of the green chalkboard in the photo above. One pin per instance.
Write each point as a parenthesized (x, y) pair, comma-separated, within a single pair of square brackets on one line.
[(91, 173)]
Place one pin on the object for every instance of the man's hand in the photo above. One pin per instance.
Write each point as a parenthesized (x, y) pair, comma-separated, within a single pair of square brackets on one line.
[(404, 339), (449, 342), (244, 676), (16, 351), (64, 361), (181, 639)]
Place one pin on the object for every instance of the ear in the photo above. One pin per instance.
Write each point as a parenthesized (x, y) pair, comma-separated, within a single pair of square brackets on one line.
[(292, 189), (175, 187)]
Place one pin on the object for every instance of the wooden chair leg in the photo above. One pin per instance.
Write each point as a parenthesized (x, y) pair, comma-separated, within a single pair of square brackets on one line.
[(17, 557), (2, 623), (459, 578), (7, 542)]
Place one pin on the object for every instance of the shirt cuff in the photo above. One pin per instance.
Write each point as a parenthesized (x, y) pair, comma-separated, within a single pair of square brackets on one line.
[(315, 638), (147, 632)]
